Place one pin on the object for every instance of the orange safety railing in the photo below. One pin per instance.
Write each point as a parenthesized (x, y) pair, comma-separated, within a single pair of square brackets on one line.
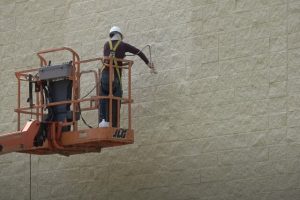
[(75, 140)]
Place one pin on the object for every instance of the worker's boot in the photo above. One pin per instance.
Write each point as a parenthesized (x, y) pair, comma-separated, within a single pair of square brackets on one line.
[(103, 124)]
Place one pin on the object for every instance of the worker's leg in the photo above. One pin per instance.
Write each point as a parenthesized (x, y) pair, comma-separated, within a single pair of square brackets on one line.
[(115, 111), (104, 91), (103, 109)]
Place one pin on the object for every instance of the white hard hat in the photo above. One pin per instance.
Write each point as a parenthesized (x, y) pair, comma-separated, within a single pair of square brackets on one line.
[(115, 29)]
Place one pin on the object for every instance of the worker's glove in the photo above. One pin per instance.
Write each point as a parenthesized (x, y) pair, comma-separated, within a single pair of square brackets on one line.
[(152, 68)]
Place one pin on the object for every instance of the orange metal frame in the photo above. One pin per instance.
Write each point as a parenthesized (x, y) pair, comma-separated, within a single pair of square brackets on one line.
[(76, 140)]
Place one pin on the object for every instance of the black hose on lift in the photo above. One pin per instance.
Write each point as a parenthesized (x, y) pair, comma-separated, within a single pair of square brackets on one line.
[(30, 98), (80, 108)]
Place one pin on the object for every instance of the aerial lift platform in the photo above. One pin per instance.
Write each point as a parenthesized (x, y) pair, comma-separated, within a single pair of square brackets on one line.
[(55, 106)]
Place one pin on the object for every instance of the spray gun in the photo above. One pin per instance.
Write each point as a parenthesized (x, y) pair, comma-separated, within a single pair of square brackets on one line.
[(152, 69)]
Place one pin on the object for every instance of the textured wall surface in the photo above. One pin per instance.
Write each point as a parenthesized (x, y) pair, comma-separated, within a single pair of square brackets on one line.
[(221, 119)]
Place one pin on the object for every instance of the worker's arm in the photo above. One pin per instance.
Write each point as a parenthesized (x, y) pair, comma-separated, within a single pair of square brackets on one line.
[(136, 51), (106, 50)]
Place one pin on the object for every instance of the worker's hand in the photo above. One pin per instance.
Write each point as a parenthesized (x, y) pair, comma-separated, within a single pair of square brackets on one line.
[(150, 65), (152, 68), (153, 71)]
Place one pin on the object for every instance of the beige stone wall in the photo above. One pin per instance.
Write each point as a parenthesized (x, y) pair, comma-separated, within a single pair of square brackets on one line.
[(221, 120)]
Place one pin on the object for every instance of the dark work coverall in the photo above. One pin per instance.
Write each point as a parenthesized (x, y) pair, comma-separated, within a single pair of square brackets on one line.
[(117, 89)]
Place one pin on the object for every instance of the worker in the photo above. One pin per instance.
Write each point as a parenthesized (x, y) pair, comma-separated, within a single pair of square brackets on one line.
[(117, 48)]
